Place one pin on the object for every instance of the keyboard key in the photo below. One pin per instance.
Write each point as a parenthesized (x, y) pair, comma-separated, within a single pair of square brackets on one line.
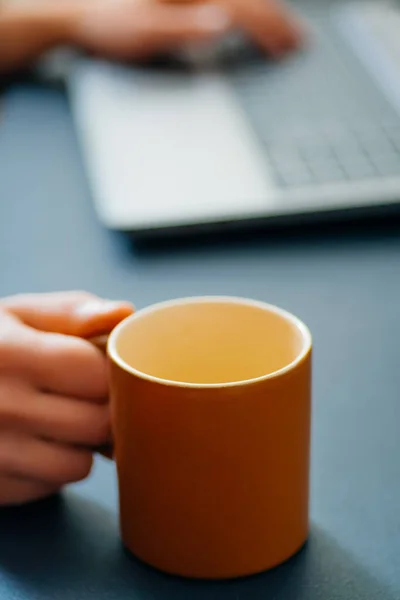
[(284, 155), (293, 178), (316, 152), (347, 149), (391, 127), (387, 166), (395, 139), (359, 169), (327, 172), (376, 146)]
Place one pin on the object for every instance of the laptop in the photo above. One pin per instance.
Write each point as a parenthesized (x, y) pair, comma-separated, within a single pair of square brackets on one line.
[(232, 138)]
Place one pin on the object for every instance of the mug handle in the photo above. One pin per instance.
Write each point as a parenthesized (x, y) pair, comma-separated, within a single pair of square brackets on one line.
[(100, 342)]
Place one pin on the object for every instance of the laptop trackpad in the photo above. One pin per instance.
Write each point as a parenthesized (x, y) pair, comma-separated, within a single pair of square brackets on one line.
[(178, 146)]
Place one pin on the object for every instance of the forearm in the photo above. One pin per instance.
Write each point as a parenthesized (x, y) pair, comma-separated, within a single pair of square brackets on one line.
[(28, 31)]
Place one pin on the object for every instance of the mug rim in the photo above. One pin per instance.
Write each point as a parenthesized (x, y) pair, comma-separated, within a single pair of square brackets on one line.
[(298, 324)]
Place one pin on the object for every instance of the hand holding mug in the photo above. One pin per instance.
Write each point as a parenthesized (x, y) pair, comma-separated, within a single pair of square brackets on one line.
[(53, 390)]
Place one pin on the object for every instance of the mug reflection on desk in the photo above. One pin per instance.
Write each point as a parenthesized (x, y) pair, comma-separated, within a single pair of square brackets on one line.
[(211, 408)]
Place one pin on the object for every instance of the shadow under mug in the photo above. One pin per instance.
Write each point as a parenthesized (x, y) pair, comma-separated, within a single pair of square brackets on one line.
[(211, 410)]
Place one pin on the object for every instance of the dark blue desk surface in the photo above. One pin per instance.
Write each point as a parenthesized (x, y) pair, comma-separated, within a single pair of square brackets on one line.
[(345, 285)]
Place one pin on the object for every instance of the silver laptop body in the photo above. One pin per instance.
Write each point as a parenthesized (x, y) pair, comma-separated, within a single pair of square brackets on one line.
[(233, 138)]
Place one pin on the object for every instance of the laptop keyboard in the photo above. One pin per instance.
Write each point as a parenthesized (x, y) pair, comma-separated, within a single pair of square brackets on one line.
[(359, 155), (319, 115)]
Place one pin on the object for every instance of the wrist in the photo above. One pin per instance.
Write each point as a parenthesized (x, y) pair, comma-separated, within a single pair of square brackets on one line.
[(55, 21), (32, 29), (27, 31)]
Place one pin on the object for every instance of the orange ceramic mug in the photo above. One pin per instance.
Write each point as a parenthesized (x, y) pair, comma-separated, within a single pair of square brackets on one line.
[(210, 406)]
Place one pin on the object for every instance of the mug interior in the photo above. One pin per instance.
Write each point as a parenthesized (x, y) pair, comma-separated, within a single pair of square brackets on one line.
[(209, 341)]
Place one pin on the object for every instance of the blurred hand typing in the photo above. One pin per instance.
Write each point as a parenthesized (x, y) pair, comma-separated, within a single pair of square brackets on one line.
[(139, 29)]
